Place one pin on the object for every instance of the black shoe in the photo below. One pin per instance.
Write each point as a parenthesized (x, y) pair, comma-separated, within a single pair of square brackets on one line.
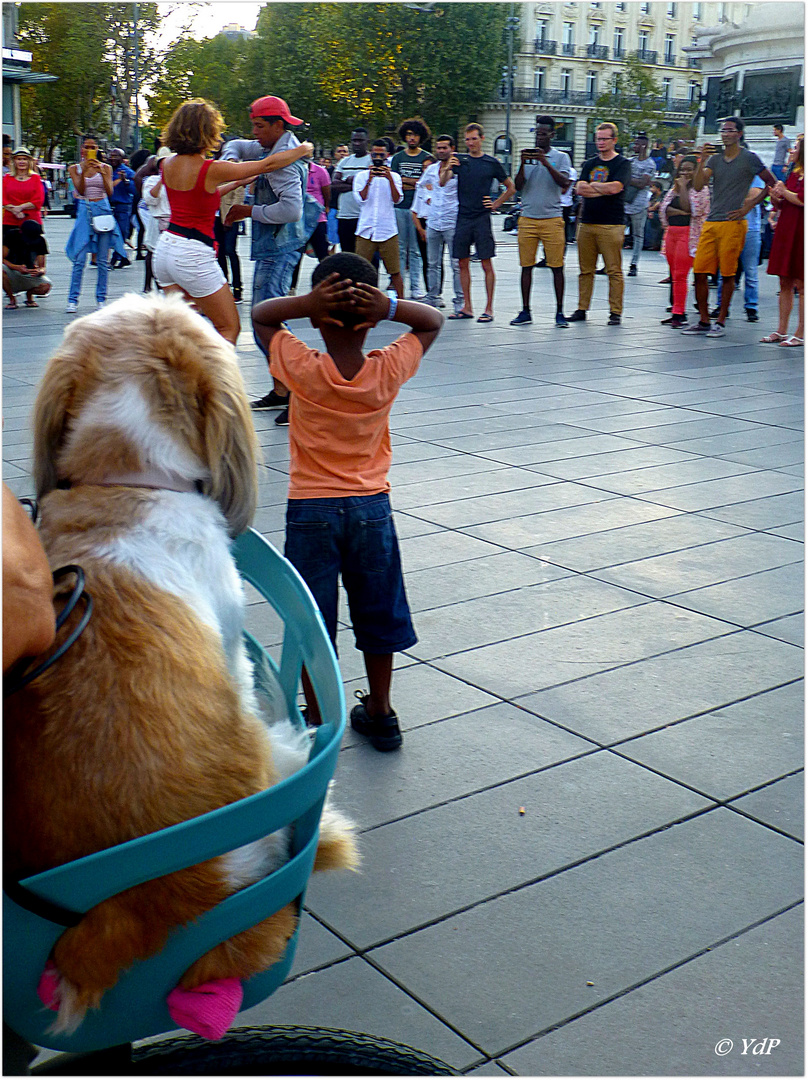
[(282, 419), (383, 731), (678, 321), (269, 401), (751, 315), (237, 295), (715, 313), (601, 271), (614, 320), (542, 263), (522, 318), (124, 263), (632, 270), (577, 316)]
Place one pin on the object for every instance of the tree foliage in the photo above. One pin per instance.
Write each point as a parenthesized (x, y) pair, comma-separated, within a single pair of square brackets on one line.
[(635, 102), (91, 50), (338, 65)]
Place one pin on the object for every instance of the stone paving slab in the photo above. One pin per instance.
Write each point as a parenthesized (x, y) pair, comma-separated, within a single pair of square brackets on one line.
[(613, 922), (781, 805), (701, 1007)]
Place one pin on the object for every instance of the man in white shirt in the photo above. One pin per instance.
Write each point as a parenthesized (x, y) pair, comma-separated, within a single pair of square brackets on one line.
[(377, 191), (441, 220), (342, 188)]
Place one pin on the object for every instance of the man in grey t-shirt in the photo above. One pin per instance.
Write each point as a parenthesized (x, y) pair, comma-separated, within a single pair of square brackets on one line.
[(342, 186), (780, 153), (643, 171), (724, 232), (544, 174)]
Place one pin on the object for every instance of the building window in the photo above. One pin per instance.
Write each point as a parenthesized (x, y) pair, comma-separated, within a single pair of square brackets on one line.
[(619, 40), (643, 41), (722, 13), (645, 9), (542, 30), (693, 92), (569, 33), (591, 84), (615, 82), (671, 11), (620, 7), (697, 12), (594, 34), (670, 45), (566, 82), (538, 80), (667, 87)]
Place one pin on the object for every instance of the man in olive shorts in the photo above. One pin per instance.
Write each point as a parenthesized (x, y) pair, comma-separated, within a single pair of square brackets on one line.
[(475, 172), (378, 190), (724, 232)]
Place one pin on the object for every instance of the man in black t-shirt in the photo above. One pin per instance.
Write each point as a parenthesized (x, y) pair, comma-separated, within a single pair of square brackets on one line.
[(24, 252), (602, 187), (475, 173), (409, 163)]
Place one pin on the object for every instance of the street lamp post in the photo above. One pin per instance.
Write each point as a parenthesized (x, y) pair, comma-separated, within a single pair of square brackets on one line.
[(511, 25), (137, 80)]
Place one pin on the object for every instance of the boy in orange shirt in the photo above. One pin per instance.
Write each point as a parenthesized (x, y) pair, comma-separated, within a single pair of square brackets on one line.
[(338, 517)]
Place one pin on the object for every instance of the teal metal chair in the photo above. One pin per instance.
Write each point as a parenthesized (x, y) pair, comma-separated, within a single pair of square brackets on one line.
[(37, 909)]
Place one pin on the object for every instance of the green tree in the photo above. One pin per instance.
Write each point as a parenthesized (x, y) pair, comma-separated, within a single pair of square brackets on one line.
[(91, 49), (635, 103)]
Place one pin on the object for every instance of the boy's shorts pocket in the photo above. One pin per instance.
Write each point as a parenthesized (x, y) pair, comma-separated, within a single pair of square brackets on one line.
[(308, 545), (376, 544)]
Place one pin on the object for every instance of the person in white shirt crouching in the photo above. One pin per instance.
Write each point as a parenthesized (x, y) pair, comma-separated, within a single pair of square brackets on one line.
[(378, 190)]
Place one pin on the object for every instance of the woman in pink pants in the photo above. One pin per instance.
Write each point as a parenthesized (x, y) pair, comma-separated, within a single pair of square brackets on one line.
[(683, 212)]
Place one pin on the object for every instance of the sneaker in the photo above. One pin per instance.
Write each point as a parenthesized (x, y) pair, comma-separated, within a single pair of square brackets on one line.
[(561, 321), (383, 731), (614, 320), (282, 419), (419, 298), (72, 305), (696, 328), (716, 330), (632, 270), (577, 316), (715, 312), (678, 322), (541, 263), (237, 295), (124, 263), (440, 303), (751, 315), (601, 271), (269, 401), (522, 318)]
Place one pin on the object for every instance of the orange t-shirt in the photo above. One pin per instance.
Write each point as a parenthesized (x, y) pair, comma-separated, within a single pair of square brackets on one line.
[(339, 437)]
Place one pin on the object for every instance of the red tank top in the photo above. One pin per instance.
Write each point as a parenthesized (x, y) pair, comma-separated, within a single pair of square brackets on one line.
[(196, 208)]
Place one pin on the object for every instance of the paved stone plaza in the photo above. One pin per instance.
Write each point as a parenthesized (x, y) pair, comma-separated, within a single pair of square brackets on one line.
[(602, 541)]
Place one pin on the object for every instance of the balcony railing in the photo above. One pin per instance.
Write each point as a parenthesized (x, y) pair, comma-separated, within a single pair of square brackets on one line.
[(597, 52), (545, 47), (670, 59), (693, 62), (529, 95), (618, 53), (568, 48), (647, 56)]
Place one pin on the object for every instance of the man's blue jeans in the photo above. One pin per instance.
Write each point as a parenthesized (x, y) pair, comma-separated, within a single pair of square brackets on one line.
[(273, 277), (748, 263), (435, 241), (409, 251)]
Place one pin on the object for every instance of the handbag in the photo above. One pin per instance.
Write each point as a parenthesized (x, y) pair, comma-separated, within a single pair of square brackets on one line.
[(103, 222)]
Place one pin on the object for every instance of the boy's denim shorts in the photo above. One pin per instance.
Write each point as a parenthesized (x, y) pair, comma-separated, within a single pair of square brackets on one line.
[(353, 536)]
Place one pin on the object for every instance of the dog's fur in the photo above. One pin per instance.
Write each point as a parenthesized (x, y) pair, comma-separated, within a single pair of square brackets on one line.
[(150, 718)]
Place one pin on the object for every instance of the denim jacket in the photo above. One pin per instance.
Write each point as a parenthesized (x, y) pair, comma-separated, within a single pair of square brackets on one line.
[(277, 237)]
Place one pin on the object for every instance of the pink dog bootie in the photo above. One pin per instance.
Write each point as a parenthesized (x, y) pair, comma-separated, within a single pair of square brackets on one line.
[(49, 989), (207, 1010)]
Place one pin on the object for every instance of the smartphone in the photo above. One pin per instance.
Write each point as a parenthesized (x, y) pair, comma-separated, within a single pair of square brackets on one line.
[(91, 155), (456, 167)]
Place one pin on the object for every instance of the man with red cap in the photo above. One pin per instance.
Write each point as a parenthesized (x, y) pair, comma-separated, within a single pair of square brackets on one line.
[(279, 227)]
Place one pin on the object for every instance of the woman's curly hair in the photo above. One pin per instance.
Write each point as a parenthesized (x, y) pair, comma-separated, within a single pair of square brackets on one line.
[(195, 128)]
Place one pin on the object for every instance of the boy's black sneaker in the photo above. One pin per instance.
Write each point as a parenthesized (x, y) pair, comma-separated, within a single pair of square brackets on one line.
[(282, 419), (272, 400), (522, 318), (751, 315), (577, 316), (383, 731)]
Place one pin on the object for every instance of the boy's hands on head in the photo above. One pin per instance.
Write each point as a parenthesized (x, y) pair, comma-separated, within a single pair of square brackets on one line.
[(369, 302), (329, 295)]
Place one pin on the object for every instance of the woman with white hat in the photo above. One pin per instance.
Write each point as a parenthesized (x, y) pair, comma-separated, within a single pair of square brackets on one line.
[(23, 191)]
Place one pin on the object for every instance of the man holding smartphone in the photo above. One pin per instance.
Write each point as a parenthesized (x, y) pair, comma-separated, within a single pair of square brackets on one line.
[(377, 191), (544, 174)]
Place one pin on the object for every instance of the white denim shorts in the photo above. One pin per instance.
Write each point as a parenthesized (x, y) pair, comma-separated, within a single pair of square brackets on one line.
[(188, 263)]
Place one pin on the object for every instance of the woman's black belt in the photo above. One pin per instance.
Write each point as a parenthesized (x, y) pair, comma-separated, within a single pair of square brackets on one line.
[(190, 234)]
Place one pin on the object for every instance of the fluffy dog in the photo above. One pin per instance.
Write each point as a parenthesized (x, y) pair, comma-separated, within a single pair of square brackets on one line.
[(145, 465)]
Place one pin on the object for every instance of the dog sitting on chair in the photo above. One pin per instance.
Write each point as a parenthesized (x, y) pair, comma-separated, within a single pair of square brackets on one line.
[(145, 467)]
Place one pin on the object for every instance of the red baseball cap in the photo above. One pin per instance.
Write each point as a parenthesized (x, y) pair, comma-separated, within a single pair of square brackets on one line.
[(273, 106)]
